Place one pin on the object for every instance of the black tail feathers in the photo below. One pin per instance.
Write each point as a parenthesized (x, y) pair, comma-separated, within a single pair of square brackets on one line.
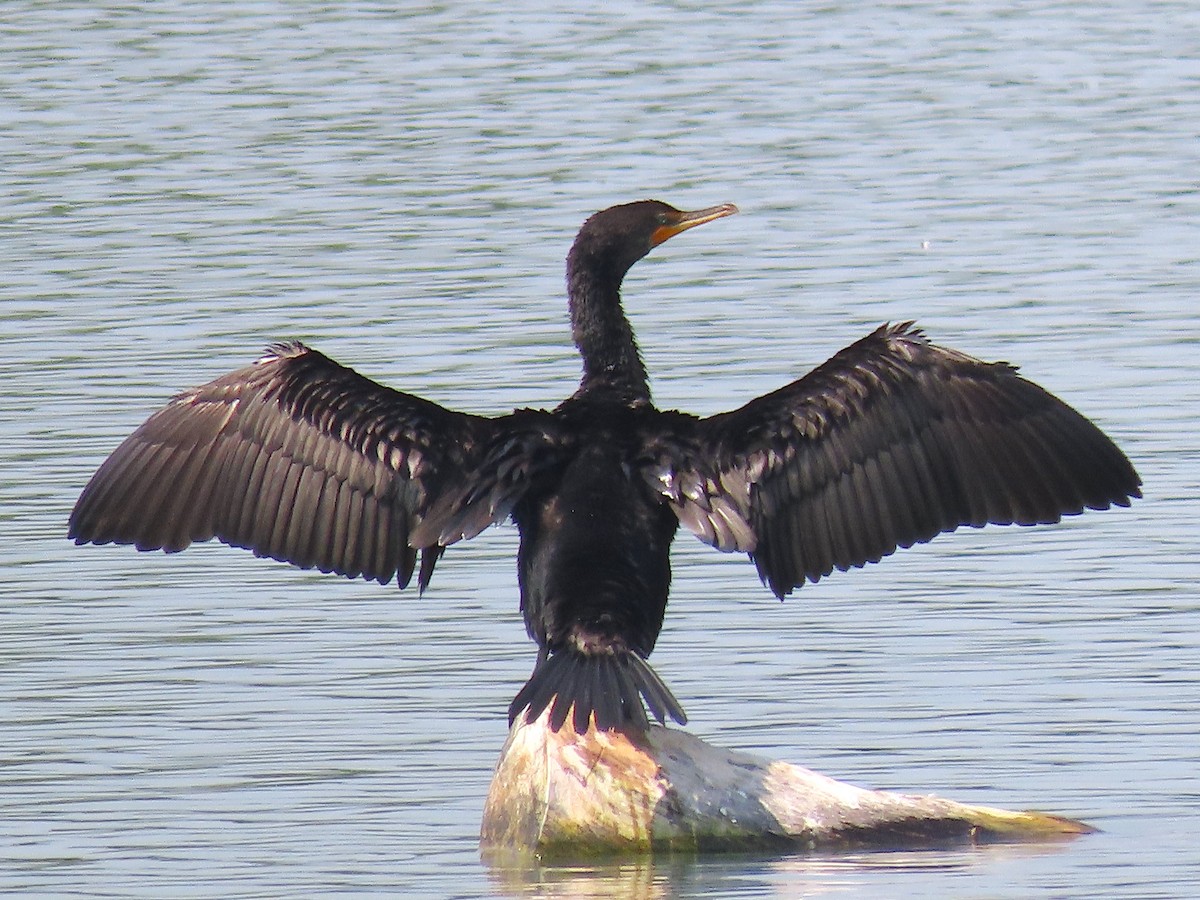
[(609, 686)]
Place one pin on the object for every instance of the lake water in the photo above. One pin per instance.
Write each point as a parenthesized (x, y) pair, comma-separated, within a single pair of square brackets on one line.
[(397, 184)]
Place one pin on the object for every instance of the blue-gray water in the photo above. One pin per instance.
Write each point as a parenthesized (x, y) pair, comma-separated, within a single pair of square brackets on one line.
[(182, 182)]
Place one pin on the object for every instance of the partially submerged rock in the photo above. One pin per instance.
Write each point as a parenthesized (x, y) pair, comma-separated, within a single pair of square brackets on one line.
[(605, 792)]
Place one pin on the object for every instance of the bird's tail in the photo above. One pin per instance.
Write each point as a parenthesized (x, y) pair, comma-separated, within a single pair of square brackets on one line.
[(609, 686)]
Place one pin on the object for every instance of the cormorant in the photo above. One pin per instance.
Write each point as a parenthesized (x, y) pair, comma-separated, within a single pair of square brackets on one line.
[(885, 445)]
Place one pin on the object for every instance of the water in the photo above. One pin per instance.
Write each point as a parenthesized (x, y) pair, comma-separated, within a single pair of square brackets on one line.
[(184, 182)]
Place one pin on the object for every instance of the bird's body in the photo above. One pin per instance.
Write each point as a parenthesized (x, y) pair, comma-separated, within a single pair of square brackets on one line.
[(594, 563), (890, 442)]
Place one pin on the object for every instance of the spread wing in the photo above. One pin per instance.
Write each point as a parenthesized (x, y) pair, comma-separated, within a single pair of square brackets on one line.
[(890, 442), (294, 457)]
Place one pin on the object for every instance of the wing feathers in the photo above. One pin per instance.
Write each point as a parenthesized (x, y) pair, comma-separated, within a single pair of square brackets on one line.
[(887, 444), (296, 458)]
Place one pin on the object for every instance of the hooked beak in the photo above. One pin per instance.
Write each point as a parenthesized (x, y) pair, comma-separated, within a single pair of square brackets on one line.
[(685, 220)]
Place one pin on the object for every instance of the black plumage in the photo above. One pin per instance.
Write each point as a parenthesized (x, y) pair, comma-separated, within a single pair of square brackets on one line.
[(890, 442)]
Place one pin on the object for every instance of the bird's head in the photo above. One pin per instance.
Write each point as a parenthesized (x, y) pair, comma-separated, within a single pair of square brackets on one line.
[(614, 239)]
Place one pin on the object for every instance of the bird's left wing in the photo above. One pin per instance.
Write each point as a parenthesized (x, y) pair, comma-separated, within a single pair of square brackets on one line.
[(295, 457), (890, 442)]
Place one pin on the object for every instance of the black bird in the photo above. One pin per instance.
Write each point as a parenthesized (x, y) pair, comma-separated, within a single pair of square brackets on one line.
[(888, 443)]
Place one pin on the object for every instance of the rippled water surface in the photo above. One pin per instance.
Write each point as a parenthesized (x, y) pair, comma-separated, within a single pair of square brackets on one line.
[(184, 182)]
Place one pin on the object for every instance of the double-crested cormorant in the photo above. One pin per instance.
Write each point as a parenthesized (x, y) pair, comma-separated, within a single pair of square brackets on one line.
[(890, 442)]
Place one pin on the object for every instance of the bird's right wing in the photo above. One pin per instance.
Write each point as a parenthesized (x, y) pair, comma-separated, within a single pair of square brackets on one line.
[(890, 442), (294, 457)]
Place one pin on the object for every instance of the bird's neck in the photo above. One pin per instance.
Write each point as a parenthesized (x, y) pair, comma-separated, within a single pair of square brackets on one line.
[(612, 364)]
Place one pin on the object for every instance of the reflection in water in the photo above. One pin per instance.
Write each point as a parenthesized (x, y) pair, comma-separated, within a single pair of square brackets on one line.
[(816, 875), (638, 879)]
